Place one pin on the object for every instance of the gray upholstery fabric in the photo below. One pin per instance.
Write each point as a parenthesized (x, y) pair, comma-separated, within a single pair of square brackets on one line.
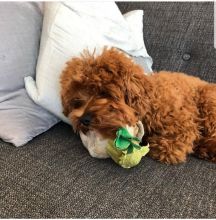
[(20, 118), (54, 176), (172, 29)]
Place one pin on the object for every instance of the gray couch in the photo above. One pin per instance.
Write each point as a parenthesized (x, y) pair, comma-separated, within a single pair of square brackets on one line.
[(54, 176)]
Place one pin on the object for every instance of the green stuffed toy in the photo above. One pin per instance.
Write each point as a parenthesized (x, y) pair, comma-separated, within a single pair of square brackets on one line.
[(125, 150)]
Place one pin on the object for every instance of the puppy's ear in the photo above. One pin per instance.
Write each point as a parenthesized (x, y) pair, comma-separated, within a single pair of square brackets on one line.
[(71, 76), (74, 75), (66, 106)]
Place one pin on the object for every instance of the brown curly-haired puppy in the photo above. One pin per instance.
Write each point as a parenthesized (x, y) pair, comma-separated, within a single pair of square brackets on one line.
[(109, 91)]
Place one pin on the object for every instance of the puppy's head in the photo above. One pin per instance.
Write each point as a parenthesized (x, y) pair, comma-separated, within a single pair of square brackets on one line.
[(103, 93)]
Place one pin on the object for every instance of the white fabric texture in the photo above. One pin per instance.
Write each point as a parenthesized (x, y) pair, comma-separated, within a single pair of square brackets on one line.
[(68, 29)]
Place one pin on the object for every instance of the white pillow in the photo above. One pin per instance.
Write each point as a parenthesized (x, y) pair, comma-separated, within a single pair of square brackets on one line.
[(68, 29)]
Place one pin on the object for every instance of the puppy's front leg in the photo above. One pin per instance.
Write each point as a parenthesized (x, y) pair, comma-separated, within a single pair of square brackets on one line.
[(170, 150)]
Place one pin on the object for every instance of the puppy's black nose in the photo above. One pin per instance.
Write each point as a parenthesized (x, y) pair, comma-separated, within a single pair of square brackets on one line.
[(86, 119)]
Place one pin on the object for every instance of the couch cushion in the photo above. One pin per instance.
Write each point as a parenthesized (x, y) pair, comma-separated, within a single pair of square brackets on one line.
[(54, 176), (174, 30)]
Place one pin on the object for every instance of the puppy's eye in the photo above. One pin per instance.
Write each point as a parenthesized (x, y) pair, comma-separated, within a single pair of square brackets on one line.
[(104, 94), (77, 103), (137, 114)]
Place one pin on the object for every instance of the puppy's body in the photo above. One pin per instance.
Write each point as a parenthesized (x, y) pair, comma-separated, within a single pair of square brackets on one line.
[(176, 123), (109, 91)]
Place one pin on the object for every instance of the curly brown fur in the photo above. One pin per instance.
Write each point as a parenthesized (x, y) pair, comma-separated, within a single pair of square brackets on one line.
[(178, 111)]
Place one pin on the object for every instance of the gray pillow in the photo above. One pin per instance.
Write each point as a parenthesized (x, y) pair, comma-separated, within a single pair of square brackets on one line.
[(20, 28)]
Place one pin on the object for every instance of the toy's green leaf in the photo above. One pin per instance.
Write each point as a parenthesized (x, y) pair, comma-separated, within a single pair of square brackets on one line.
[(121, 143), (125, 140), (130, 149)]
